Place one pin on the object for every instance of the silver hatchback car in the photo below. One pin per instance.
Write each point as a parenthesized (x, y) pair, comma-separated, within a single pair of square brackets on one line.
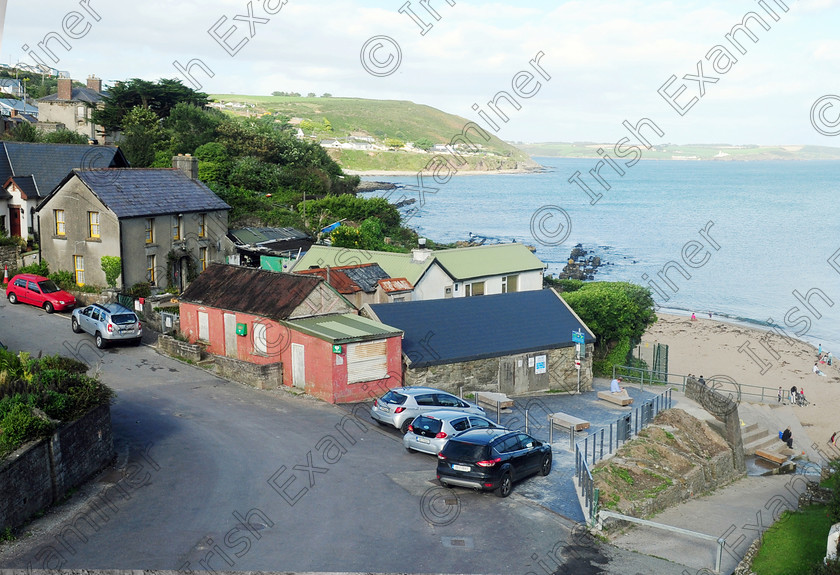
[(107, 322), (401, 405), (429, 432)]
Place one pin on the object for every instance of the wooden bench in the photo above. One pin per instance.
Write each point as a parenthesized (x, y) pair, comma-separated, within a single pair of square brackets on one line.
[(490, 398), (567, 421), (617, 398), (771, 456)]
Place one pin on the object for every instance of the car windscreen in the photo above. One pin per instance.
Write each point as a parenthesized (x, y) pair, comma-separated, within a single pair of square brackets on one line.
[(462, 451), (394, 397), (123, 318), (47, 286), (426, 424)]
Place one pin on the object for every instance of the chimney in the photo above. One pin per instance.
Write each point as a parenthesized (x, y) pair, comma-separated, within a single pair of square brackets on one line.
[(65, 89), (187, 164), (328, 275), (94, 83), (420, 254)]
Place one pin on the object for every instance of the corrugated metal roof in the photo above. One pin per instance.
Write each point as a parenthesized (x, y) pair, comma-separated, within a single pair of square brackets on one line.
[(347, 328), (135, 192), (491, 260), (351, 279), (460, 329), (394, 264), (256, 235), (395, 285), (250, 290)]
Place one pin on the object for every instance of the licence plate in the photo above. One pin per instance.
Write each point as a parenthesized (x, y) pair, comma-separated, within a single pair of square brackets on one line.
[(422, 440), (384, 408), (457, 467)]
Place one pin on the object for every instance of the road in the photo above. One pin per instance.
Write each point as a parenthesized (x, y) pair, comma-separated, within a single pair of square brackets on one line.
[(214, 475)]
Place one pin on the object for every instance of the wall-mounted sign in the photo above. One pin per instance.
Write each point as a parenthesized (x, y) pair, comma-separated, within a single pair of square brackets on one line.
[(241, 329), (336, 348), (540, 364)]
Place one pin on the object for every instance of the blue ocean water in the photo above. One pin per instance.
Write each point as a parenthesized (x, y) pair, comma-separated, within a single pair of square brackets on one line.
[(772, 231)]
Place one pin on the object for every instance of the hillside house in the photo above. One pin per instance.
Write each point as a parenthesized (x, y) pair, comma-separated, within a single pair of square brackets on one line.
[(359, 283), (73, 106)]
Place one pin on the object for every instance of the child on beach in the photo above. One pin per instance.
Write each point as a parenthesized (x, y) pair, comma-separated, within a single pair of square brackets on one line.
[(817, 370)]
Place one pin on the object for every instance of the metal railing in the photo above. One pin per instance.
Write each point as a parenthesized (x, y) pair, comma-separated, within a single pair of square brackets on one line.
[(604, 441), (740, 391)]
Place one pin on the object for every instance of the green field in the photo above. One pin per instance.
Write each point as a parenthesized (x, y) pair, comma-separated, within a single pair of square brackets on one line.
[(692, 151), (381, 119)]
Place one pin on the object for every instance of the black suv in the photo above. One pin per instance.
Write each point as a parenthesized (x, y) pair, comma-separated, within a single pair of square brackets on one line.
[(492, 459)]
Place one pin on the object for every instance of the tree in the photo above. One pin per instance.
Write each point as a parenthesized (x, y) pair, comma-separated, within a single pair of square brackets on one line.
[(141, 133), (158, 97), (394, 143), (353, 208), (326, 95), (25, 132), (190, 127), (65, 137), (311, 95), (424, 143), (327, 125), (112, 266)]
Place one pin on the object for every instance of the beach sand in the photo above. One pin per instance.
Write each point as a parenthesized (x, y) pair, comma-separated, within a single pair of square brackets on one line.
[(711, 348)]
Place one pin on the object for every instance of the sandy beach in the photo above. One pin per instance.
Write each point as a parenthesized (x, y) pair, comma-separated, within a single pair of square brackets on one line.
[(711, 348)]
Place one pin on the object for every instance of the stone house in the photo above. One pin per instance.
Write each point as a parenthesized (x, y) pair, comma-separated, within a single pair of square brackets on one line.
[(164, 224), (359, 284), (436, 274), (73, 106), (30, 171), (512, 343), (299, 328)]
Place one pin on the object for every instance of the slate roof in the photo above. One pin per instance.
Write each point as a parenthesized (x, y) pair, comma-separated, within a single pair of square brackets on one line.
[(27, 186), (19, 105), (136, 192), (461, 329), (346, 328), (395, 264), (77, 95), (51, 163), (250, 290), (351, 279)]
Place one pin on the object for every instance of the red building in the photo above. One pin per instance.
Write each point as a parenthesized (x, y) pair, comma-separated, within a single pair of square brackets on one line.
[(300, 324)]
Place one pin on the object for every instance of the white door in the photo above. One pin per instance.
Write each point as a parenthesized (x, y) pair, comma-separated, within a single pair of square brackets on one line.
[(230, 335), (298, 366), (203, 326)]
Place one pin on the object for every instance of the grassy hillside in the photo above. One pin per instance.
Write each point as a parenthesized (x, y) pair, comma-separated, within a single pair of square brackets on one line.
[(725, 152), (380, 119)]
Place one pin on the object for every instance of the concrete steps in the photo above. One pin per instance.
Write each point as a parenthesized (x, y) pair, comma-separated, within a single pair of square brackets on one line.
[(757, 438)]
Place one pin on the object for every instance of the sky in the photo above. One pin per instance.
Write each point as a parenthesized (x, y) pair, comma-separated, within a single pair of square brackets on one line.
[(598, 63)]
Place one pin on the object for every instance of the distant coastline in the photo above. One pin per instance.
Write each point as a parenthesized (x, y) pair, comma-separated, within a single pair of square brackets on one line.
[(689, 152)]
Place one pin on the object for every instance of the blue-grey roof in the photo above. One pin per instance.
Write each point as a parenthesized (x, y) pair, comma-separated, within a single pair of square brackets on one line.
[(135, 192), (49, 164), (453, 330), (261, 235), (19, 105), (88, 95), (27, 186), (366, 277)]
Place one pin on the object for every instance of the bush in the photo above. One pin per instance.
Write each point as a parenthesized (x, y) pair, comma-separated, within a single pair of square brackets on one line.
[(41, 268), (64, 280), (20, 425), (140, 289), (830, 568), (112, 266)]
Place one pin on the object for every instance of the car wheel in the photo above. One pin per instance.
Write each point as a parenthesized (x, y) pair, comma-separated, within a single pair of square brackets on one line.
[(545, 466), (136, 342), (505, 485), (74, 325), (48, 307), (101, 343), (404, 426), (12, 298)]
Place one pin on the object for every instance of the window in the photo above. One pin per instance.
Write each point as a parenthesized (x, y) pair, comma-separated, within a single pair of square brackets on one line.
[(260, 340), (202, 225), (79, 266), (472, 289), (150, 230), (202, 256), (425, 399), (93, 220), (510, 284), (177, 227), (460, 424), (150, 269), (59, 222)]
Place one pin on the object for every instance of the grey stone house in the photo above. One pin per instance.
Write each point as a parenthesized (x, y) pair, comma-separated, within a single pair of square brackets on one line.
[(512, 343), (73, 106), (164, 224)]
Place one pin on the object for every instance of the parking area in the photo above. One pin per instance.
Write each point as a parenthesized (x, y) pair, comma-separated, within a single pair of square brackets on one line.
[(557, 491)]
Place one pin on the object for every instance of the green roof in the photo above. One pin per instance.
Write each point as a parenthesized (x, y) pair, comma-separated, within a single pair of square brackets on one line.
[(492, 260), (396, 265), (347, 328)]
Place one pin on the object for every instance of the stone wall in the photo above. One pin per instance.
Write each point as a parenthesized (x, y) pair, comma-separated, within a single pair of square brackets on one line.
[(39, 474), (266, 376), (175, 347), (725, 410), (512, 375), (9, 258)]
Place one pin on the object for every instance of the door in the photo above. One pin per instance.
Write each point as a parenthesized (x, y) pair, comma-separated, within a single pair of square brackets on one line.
[(230, 335), (33, 294), (14, 221), (298, 366), (507, 377), (203, 326)]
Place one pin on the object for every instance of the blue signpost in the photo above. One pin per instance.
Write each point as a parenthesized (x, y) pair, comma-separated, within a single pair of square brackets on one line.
[(580, 346)]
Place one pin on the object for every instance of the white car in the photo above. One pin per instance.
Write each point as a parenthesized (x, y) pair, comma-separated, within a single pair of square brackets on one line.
[(430, 432)]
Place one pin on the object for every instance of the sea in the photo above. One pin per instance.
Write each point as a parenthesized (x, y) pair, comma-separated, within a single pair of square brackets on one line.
[(756, 243)]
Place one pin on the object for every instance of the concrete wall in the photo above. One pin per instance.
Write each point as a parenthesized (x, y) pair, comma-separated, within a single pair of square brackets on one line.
[(74, 115), (265, 376), (42, 473), (76, 201), (175, 347), (514, 374)]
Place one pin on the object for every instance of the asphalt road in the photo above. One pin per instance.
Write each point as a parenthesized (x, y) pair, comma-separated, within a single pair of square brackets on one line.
[(213, 475)]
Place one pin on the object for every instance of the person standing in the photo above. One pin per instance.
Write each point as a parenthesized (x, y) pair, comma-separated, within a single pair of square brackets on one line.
[(792, 395), (819, 350), (701, 381), (780, 394)]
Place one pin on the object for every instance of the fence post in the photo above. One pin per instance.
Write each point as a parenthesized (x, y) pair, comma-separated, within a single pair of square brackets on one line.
[(498, 412), (526, 420)]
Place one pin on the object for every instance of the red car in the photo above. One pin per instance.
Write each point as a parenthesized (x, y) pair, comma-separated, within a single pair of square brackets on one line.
[(39, 291)]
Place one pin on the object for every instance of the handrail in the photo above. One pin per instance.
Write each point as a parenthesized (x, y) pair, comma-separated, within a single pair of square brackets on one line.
[(634, 374)]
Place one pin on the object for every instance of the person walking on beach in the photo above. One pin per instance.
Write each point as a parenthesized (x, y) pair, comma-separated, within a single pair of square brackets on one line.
[(693, 317), (780, 394), (787, 437), (792, 397), (819, 350)]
